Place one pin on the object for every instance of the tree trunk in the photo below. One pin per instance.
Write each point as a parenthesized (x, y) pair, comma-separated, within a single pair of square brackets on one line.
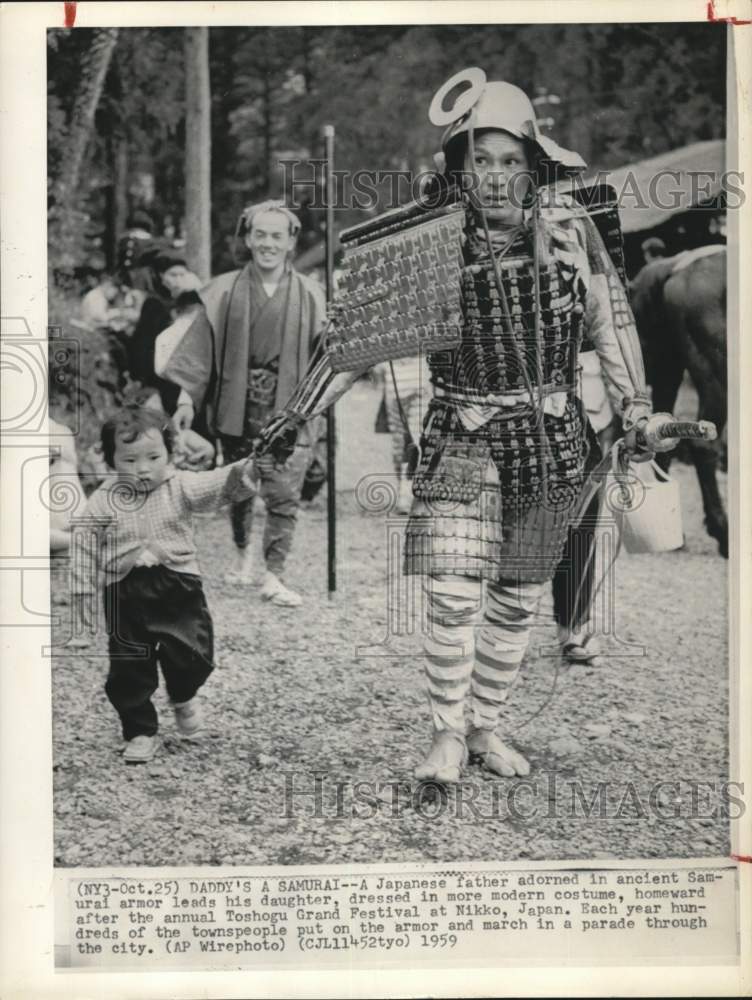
[(267, 113), (116, 211), (198, 152), (110, 212), (120, 183), (93, 72)]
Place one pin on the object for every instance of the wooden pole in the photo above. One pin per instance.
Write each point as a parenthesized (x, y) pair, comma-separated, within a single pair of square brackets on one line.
[(197, 152), (331, 486)]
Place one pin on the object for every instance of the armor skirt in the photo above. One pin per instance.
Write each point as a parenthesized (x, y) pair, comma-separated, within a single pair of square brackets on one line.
[(495, 502)]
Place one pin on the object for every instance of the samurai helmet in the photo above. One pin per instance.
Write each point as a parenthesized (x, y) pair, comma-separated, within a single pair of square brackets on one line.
[(499, 105)]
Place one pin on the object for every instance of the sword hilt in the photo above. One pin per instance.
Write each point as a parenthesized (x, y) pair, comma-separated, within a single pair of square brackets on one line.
[(703, 430), (661, 432)]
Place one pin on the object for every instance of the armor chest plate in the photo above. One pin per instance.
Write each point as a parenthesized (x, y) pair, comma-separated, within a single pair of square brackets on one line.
[(491, 355)]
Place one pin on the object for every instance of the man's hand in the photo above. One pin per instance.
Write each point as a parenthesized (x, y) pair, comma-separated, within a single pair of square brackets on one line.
[(182, 418), (635, 444), (644, 440), (193, 451), (636, 410), (278, 437), (651, 432)]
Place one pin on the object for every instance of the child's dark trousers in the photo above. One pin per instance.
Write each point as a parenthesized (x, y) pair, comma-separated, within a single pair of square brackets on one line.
[(155, 616)]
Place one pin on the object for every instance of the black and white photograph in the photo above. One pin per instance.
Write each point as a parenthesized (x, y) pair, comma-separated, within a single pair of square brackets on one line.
[(252, 683), (392, 474)]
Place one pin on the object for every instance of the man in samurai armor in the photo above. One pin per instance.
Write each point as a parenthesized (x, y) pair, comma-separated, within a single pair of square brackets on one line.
[(239, 362), (505, 438)]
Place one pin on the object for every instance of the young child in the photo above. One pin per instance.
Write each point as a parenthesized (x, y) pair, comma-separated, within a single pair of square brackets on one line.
[(139, 545)]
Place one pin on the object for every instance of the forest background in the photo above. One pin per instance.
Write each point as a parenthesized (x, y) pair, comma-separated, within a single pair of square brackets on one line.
[(129, 116), (192, 124)]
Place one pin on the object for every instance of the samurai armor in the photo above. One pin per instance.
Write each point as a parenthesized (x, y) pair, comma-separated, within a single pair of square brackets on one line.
[(601, 204), (502, 509), (399, 293), (496, 501), (488, 359), (453, 474)]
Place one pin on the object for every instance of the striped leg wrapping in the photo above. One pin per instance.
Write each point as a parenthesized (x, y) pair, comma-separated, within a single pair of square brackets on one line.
[(500, 647), (453, 605)]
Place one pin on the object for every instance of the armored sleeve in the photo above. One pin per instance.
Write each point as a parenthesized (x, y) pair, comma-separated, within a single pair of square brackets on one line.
[(610, 326), (314, 394), (319, 389)]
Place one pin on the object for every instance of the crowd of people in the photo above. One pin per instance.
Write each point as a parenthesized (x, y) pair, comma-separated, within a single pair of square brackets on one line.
[(235, 377)]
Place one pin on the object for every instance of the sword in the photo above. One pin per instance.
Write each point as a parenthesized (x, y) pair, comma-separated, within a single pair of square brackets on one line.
[(660, 433), (704, 430)]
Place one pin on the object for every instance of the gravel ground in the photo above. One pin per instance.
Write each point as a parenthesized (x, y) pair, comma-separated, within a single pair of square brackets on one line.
[(296, 704)]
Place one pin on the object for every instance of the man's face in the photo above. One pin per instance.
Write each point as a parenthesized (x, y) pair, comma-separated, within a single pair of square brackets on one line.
[(270, 240), (146, 458), (174, 279), (500, 166)]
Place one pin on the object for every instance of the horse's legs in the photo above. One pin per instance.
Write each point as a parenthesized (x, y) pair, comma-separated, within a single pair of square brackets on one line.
[(705, 456), (694, 304), (706, 461)]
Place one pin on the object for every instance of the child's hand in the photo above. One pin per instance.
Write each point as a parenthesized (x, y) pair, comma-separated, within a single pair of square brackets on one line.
[(279, 436), (250, 474), (264, 465)]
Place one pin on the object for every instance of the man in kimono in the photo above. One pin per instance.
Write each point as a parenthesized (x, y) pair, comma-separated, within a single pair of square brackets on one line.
[(239, 362)]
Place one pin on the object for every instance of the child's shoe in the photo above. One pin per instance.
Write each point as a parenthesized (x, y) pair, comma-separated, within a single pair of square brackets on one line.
[(140, 749), (188, 718), (277, 593)]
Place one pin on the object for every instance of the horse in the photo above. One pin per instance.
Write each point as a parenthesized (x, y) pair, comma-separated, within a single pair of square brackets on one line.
[(679, 304)]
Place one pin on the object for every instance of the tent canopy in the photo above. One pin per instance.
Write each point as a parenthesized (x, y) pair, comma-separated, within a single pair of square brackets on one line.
[(651, 191)]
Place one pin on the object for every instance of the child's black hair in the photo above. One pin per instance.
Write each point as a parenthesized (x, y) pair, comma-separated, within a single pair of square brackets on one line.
[(131, 423)]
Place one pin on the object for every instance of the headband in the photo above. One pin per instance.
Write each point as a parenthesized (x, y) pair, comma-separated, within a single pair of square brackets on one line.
[(251, 211)]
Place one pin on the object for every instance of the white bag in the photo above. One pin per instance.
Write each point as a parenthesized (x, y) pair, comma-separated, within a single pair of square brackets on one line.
[(169, 339), (650, 508)]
